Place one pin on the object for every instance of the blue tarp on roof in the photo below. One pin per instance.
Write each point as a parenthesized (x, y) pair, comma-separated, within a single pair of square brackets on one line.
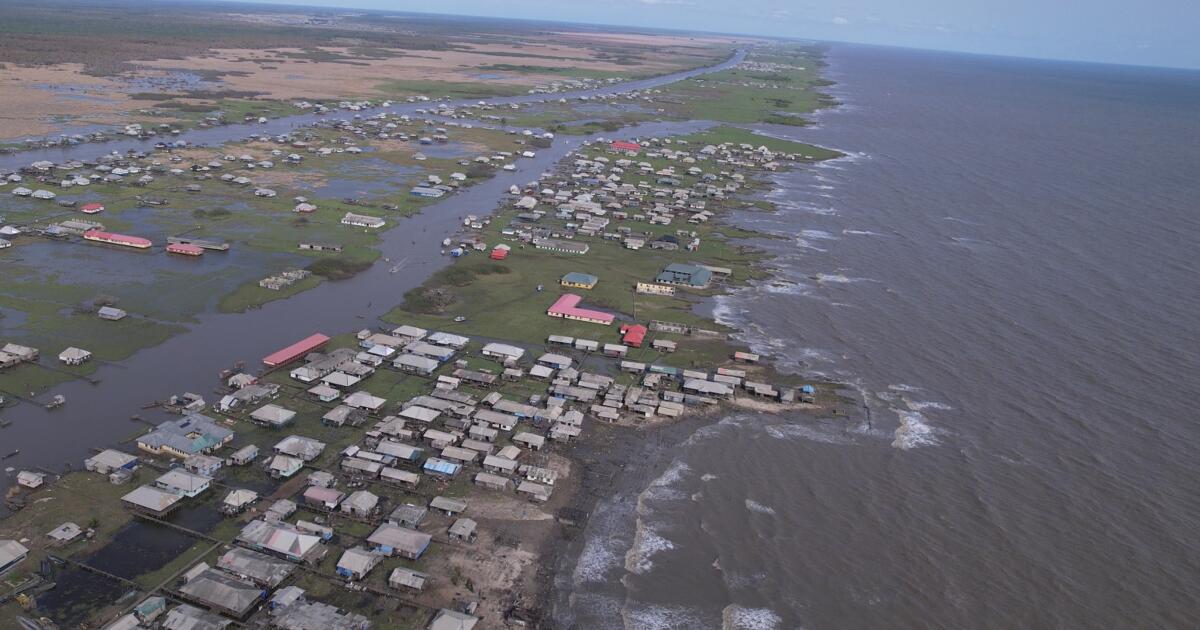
[(441, 466)]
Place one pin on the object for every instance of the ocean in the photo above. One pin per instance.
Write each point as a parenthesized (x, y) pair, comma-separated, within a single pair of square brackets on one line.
[(1005, 269)]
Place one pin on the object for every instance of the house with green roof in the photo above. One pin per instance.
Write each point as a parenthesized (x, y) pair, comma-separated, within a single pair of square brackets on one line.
[(693, 276)]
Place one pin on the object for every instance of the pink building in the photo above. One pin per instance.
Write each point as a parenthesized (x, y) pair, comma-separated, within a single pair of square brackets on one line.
[(567, 307)]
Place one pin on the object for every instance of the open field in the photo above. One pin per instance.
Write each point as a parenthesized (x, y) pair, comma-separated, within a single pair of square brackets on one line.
[(69, 65)]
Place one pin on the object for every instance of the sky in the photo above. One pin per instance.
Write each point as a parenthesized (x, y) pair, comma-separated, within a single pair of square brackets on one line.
[(1138, 32)]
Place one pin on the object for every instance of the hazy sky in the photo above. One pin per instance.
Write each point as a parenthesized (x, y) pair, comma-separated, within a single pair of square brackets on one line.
[(1149, 32)]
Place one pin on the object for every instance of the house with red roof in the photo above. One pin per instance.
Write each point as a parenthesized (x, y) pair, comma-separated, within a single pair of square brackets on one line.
[(633, 335), (625, 146)]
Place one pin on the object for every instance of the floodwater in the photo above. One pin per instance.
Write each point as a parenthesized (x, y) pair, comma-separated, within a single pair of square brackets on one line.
[(1004, 268), (97, 415)]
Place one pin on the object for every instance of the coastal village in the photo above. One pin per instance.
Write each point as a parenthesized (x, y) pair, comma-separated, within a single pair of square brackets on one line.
[(422, 471), (408, 476)]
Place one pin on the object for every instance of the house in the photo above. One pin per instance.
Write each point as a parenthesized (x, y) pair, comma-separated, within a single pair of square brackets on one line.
[(626, 147), (417, 413), (111, 313), (222, 592), (151, 500), (615, 350), (306, 615), (649, 288), (491, 482), (360, 503), (281, 509), (450, 340), (11, 554), (578, 280), (30, 479), (408, 515), (393, 540), (282, 540), (205, 465), (183, 483), (459, 454), (495, 419), (402, 578), (567, 307), (633, 335), (186, 617), (284, 466), (364, 401), (561, 246), (532, 441), (663, 345), (266, 571), (440, 467), (342, 415), (362, 220), (305, 448), (237, 501), (448, 505), (190, 435), (324, 393), (272, 416), (447, 619), (745, 357), (64, 533), (415, 364), (322, 498), (500, 465), (693, 276), (400, 477), (74, 356), (707, 388), (463, 530), (243, 456), (356, 563), (535, 491), (503, 351)]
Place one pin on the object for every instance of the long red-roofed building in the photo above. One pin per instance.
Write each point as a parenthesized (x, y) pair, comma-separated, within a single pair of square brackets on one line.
[(117, 239), (625, 146), (296, 350), (567, 307)]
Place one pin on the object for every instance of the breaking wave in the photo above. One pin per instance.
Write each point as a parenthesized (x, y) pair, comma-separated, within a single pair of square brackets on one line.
[(755, 506), (735, 617)]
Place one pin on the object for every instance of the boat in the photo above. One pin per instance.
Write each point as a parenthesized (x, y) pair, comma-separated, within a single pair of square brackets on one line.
[(56, 402), (446, 242), (13, 454)]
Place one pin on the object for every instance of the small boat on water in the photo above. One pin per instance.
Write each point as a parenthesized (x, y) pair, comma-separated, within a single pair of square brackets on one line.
[(446, 242), (56, 402), (13, 454)]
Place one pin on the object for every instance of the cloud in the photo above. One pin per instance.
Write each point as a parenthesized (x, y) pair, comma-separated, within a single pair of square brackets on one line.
[(840, 21)]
